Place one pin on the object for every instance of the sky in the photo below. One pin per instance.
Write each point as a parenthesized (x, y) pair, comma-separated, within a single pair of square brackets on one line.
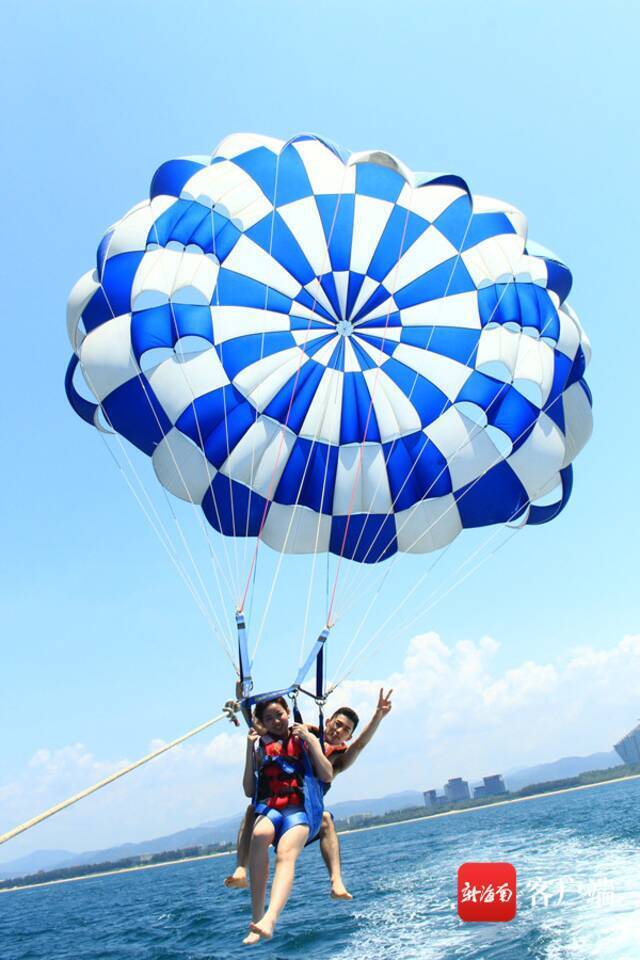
[(537, 653)]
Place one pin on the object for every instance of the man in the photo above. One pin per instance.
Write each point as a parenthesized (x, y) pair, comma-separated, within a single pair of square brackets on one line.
[(342, 754)]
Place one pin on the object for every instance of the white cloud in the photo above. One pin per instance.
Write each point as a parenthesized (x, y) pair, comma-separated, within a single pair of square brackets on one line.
[(193, 783), (455, 713)]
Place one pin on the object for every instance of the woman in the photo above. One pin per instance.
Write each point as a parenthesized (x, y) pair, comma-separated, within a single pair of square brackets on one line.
[(279, 805)]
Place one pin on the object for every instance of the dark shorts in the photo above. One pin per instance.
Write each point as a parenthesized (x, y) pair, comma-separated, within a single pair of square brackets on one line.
[(282, 820)]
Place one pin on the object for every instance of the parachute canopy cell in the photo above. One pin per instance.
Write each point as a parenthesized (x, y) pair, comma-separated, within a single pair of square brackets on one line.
[(331, 352)]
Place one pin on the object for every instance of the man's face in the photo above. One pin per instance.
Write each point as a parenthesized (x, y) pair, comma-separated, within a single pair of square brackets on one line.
[(338, 729)]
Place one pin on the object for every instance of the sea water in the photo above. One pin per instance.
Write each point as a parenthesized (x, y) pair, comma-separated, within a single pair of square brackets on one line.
[(576, 854)]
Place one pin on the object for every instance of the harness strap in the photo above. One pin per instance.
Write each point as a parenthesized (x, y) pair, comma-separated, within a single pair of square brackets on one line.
[(297, 716), (248, 700), (244, 660), (320, 687), (313, 656)]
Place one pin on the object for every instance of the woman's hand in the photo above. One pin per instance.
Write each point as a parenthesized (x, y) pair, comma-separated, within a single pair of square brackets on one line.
[(301, 731), (252, 737)]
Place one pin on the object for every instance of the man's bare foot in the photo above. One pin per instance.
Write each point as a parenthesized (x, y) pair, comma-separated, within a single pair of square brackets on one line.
[(263, 928), (251, 939), (339, 891), (237, 880)]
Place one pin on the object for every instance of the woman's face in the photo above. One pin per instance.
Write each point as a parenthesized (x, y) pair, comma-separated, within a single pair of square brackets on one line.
[(276, 720)]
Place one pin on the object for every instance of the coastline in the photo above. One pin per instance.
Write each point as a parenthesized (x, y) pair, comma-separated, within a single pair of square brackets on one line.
[(341, 833), (488, 806)]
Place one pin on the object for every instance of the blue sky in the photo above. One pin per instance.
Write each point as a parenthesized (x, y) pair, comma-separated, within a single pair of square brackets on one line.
[(531, 103)]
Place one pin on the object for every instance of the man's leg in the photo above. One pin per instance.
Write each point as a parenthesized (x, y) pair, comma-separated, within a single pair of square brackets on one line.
[(330, 849), (238, 879)]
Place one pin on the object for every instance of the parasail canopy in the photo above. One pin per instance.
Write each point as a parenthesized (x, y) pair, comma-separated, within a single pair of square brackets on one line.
[(331, 353)]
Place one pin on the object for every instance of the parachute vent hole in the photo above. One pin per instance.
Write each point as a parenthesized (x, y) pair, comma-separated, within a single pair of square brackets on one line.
[(187, 347), (496, 369), (501, 441), (82, 386), (203, 199), (79, 334), (148, 299), (473, 412), (191, 295), (551, 495), (530, 390), (102, 422), (151, 359)]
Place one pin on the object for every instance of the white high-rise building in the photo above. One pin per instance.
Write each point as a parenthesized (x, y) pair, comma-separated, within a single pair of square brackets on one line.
[(457, 789), (629, 747)]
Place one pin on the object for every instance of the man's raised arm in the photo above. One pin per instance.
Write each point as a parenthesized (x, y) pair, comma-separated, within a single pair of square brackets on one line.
[(344, 760)]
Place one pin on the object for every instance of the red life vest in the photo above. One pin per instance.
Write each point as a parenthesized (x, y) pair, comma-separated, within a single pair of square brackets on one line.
[(280, 774), (331, 748)]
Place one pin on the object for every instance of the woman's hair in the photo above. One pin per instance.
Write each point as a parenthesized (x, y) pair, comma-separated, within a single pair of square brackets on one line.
[(263, 704), (349, 714)]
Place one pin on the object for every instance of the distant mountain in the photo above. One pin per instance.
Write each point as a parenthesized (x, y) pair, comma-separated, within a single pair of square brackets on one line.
[(392, 801), (559, 769), (217, 831), (225, 830), (32, 862)]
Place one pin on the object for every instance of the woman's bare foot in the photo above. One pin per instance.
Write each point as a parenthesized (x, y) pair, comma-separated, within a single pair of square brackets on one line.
[(263, 928), (251, 939), (339, 891), (238, 879)]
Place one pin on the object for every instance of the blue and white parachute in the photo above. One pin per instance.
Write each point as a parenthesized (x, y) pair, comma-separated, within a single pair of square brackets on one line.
[(331, 352)]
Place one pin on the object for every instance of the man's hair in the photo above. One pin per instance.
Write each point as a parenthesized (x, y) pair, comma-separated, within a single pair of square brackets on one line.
[(263, 704), (349, 714)]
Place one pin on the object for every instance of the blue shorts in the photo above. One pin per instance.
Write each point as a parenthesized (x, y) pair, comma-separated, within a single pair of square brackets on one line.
[(282, 820)]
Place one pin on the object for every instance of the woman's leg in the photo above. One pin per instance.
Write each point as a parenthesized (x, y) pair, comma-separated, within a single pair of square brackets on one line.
[(289, 847), (263, 836)]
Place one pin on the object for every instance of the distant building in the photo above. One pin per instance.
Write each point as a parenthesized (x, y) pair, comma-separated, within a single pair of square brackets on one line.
[(430, 797), (457, 789), (629, 747), (494, 785)]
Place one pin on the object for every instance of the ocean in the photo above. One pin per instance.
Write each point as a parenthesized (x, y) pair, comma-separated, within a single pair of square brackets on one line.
[(577, 857)]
